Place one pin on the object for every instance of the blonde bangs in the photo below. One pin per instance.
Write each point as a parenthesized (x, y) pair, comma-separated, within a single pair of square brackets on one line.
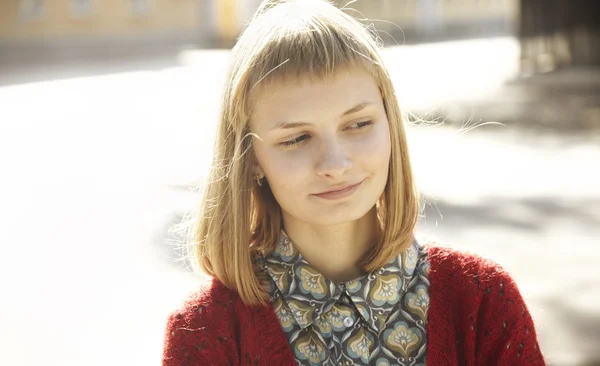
[(237, 218)]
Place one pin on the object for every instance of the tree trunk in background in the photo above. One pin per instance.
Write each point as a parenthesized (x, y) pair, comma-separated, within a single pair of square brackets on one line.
[(558, 34)]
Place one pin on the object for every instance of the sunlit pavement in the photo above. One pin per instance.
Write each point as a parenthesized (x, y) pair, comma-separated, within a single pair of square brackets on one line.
[(95, 169)]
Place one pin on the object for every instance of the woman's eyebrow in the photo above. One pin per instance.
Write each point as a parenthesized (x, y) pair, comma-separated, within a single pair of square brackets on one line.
[(288, 125), (357, 108)]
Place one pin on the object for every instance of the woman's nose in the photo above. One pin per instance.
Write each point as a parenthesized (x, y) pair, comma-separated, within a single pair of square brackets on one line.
[(334, 159)]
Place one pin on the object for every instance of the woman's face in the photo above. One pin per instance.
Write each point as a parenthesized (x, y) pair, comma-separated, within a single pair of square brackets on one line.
[(324, 147)]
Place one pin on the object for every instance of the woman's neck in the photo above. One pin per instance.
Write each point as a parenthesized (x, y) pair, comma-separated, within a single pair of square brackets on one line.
[(335, 251)]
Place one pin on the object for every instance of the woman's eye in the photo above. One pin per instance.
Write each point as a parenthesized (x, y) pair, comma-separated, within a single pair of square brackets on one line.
[(294, 142), (360, 125)]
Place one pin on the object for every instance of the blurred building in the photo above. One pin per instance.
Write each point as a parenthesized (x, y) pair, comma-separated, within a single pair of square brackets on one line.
[(55, 28), (27, 20), (403, 21), (559, 34), (410, 21), (51, 28)]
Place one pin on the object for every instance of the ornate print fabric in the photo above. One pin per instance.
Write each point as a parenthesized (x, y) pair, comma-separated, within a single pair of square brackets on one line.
[(377, 319)]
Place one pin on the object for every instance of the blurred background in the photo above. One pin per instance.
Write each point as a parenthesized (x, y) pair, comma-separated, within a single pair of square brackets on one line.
[(107, 114)]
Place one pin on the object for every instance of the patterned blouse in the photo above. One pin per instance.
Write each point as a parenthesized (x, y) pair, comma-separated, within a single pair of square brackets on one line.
[(377, 319)]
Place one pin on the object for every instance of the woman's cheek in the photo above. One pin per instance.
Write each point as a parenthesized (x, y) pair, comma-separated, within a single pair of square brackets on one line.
[(375, 145), (287, 167)]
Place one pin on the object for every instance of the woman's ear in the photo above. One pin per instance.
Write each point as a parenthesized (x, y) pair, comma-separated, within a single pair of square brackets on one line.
[(257, 171)]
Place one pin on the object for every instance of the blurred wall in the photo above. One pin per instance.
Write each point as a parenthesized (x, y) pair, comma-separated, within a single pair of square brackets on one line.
[(30, 20), (59, 29), (559, 34), (423, 20), (418, 20)]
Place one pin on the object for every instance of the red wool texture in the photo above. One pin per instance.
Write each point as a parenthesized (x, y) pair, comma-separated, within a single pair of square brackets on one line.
[(476, 317)]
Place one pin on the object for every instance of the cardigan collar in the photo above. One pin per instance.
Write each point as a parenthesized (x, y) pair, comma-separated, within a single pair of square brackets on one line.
[(309, 294)]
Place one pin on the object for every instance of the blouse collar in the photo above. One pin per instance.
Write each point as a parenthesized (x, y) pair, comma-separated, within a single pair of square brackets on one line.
[(309, 293)]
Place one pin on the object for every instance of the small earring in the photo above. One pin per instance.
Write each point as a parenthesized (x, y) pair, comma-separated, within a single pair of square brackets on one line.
[(258, 180)]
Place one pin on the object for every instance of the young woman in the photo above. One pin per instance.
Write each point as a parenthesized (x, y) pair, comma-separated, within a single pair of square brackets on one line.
[(307, 227)]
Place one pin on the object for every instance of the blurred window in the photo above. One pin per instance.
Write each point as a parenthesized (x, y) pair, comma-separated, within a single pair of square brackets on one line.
[(139, 7), (81, 8), (31, 9)]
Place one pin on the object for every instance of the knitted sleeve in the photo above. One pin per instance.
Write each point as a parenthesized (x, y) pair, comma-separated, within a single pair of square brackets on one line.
[(506, 334), (477, 315), (200, 333)]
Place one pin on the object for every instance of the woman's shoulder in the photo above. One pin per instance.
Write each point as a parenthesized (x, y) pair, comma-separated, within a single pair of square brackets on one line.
[(203, 327), (458, 276), (209, 299), (452, 264), (480, 300)]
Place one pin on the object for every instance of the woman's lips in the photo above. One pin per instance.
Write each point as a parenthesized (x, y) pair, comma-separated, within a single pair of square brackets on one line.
[(338, 194)]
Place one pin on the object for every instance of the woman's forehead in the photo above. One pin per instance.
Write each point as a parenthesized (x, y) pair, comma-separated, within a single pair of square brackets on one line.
[(284, 75), (290, 85), (309, 100)]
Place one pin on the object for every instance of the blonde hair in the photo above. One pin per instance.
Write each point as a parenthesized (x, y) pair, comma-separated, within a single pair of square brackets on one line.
[(238, 218)]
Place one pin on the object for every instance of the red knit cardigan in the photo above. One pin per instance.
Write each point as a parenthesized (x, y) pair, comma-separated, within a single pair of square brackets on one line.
[(476, 317)]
